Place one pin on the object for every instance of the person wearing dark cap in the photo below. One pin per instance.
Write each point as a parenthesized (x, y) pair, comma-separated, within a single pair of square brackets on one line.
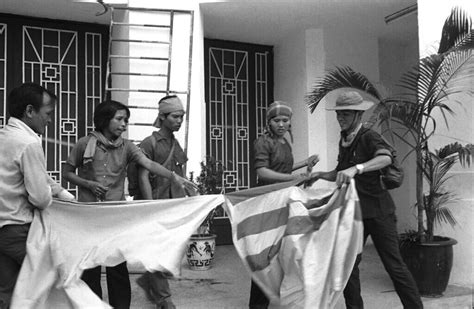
[(274, 163), (162, 147), (362, 154)]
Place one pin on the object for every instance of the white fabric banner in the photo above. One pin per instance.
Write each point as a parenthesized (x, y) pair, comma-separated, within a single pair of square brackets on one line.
[(299, 245), (69, 237)]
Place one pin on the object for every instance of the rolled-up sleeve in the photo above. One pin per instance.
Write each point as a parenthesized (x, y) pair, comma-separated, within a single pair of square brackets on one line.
[(377, 145), (135, 154), (36, 179), (77, 153), (146, 147)]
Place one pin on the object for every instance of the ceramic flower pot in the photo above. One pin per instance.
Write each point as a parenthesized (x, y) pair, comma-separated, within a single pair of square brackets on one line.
[(430, 264), (200, 251)]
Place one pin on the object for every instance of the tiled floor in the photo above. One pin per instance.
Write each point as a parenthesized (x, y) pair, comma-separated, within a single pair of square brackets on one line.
[(227, 284)]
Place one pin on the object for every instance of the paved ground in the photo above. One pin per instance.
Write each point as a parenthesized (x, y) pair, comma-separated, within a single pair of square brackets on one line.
[(227, 285)]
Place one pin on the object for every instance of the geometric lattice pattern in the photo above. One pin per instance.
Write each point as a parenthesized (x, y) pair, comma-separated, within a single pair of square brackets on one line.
[(50, 58), (231, 178), (68, 127), (261, 85), (237, 97), (228, 110), (3, 74)]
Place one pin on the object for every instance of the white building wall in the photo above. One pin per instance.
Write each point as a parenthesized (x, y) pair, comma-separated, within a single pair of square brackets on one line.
[(358, 51), (290, 86), (395, 60), (300, 59), (317, 123)]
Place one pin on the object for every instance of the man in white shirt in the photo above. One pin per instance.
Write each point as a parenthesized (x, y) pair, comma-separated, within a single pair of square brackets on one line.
[(24, 182)]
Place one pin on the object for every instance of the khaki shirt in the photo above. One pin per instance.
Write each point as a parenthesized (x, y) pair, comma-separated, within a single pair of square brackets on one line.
[(109, 168), (161, 187)]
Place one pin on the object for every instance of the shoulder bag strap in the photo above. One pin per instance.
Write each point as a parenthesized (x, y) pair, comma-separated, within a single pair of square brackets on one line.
[(356, 140), (170, 154)]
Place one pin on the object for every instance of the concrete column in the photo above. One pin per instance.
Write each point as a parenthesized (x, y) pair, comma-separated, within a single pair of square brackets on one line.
[(317, 122)]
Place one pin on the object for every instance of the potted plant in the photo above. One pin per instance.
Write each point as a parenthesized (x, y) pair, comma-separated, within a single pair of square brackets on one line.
[(201, 245), (430, 261), (427, 89)]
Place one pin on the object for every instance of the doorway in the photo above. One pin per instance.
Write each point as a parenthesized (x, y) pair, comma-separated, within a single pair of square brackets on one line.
[(68, 58), (238, 89)]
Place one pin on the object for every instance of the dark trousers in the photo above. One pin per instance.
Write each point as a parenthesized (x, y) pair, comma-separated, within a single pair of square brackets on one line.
[(385, 237), (118, 284), (157, 288), (258, 299), (12, 252)]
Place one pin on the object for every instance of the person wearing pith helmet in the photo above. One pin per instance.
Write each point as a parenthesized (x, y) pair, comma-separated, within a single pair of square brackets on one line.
[(362, 154)]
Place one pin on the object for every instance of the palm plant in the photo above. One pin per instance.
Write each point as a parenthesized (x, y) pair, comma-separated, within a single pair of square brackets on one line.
[(436, 167), (427, 88)]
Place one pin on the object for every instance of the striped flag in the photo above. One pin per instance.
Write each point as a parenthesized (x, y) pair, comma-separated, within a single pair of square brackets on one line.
[(299, 245)]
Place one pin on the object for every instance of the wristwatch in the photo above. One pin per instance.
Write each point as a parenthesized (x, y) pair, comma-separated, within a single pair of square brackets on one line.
[(360, 168)]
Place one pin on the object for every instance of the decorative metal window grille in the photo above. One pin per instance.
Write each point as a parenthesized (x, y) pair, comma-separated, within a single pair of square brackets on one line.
[(261, 90), (68, 59), (3, 74), (50, 59), (228, 112), (239, 87), (93, 80)]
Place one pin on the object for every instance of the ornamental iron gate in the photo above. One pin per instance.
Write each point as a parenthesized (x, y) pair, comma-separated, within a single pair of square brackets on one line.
[(67, 60), (3, 74), (239, 86)]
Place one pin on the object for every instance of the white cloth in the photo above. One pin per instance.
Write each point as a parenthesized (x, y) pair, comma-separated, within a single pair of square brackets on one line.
[(69, 237), (300, 256)]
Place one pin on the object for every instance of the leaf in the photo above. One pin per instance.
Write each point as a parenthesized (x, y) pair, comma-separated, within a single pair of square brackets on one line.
[(465, 153), (444, 215), (341, 77), (456, 26)]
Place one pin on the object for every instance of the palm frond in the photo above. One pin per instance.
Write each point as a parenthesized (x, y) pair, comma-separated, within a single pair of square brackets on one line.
[(457, 67), (455, 27), (465, 153), (444, 215), (440, 171), (341, 77)]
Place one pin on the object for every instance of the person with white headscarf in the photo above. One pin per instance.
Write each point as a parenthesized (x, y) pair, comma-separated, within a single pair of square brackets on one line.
[(162, 147), (275, 163)]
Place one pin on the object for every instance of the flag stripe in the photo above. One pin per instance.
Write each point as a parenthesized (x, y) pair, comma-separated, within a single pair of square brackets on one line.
[(262, 222), (262, 260), (304, 224), (320, 202), (269, 220)]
